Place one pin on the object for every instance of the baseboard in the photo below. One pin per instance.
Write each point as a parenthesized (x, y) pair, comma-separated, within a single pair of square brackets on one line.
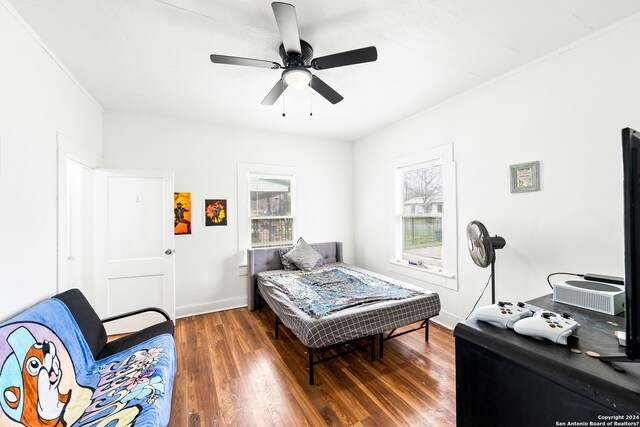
[(446, 320), (210, 307)]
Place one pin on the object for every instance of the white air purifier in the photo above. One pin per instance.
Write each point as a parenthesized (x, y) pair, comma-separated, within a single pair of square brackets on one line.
[(603, 297)]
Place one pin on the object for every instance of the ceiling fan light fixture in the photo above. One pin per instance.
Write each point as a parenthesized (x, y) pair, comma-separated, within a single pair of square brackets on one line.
[(297, 77)]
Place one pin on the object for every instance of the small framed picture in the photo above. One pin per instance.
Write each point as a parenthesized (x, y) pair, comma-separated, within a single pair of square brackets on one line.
[(215, 212), (525, 177)]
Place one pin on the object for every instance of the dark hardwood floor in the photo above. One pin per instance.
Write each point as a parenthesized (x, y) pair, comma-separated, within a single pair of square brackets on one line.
[(231, 371)]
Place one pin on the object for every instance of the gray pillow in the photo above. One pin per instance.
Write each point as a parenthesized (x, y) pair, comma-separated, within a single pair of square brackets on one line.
[(288, 265), (304, 256)]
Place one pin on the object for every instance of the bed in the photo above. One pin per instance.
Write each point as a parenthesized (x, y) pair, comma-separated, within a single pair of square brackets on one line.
[(353, 325)]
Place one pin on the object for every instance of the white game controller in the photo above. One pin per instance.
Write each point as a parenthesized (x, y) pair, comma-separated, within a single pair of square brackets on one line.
[(505, 314), (549, 325)]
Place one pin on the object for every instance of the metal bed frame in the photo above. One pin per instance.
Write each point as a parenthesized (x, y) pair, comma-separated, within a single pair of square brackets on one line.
[(332, 251), (370, 344)]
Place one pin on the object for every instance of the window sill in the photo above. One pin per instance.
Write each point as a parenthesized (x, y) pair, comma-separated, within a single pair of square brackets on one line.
[(425, 275)]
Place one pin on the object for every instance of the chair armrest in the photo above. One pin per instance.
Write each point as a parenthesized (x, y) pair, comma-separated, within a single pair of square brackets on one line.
[(135, 338), (136, 312)]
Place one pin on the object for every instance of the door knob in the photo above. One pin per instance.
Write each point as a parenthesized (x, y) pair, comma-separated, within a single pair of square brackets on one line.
[(168, 252)]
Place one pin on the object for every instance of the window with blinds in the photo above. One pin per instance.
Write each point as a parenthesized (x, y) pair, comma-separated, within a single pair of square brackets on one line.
[(271, 210)]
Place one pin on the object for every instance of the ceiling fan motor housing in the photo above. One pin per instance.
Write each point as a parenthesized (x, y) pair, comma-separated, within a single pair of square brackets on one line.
[(297, 60)]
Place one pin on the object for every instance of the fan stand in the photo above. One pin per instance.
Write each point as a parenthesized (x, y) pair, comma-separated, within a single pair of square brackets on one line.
[(498, 243), (493, 282)]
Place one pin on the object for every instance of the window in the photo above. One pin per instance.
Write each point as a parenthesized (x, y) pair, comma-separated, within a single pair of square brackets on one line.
[(421, 220), (271, 217), (425, 217), (270, 209)]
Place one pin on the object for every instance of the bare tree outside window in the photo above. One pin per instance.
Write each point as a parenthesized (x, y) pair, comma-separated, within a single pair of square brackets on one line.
[(422, 215)]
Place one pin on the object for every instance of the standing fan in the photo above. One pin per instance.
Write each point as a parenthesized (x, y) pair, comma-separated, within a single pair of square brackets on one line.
[(482, 249)]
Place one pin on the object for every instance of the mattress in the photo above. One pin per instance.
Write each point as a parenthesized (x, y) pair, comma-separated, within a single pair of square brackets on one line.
[(350, 323)]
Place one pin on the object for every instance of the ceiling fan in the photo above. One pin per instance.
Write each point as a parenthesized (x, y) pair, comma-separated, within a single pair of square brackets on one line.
[(297, 59)]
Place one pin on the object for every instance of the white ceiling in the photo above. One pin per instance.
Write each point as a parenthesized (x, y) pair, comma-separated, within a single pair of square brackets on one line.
[(152, 56)]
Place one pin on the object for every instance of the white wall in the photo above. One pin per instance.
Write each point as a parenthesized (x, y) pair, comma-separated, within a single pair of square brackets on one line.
[(204, 158), (38, 99), (565, 110)]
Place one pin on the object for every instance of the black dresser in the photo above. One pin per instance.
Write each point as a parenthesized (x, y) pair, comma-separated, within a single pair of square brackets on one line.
[(506, 379)]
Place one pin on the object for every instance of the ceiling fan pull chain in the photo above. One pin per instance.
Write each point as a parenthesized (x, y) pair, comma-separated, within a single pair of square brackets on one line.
[(310, 102), (283, 96)]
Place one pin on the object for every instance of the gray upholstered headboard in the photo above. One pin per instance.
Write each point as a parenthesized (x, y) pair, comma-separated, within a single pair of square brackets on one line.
[(266, 259)]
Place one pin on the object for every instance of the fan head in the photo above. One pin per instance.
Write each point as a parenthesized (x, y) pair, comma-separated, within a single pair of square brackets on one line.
[(481, 245)]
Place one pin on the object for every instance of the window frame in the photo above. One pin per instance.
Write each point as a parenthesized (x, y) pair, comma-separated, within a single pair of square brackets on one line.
[(447, 275)]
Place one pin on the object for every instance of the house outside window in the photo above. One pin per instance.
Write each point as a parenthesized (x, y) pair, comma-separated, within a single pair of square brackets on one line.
[(271, 204), (422, 191)]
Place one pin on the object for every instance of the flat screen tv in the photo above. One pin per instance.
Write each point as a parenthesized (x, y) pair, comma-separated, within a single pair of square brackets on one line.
[(631, 172)]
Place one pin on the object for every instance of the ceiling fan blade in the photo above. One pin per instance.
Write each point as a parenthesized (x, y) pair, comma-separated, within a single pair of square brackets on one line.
[(275, 93), (234, 60), (325, 90), (288, 26), (351, 57)]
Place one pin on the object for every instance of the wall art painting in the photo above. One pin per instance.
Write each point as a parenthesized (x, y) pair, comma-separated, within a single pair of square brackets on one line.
[(215, 212), (181, 213)]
